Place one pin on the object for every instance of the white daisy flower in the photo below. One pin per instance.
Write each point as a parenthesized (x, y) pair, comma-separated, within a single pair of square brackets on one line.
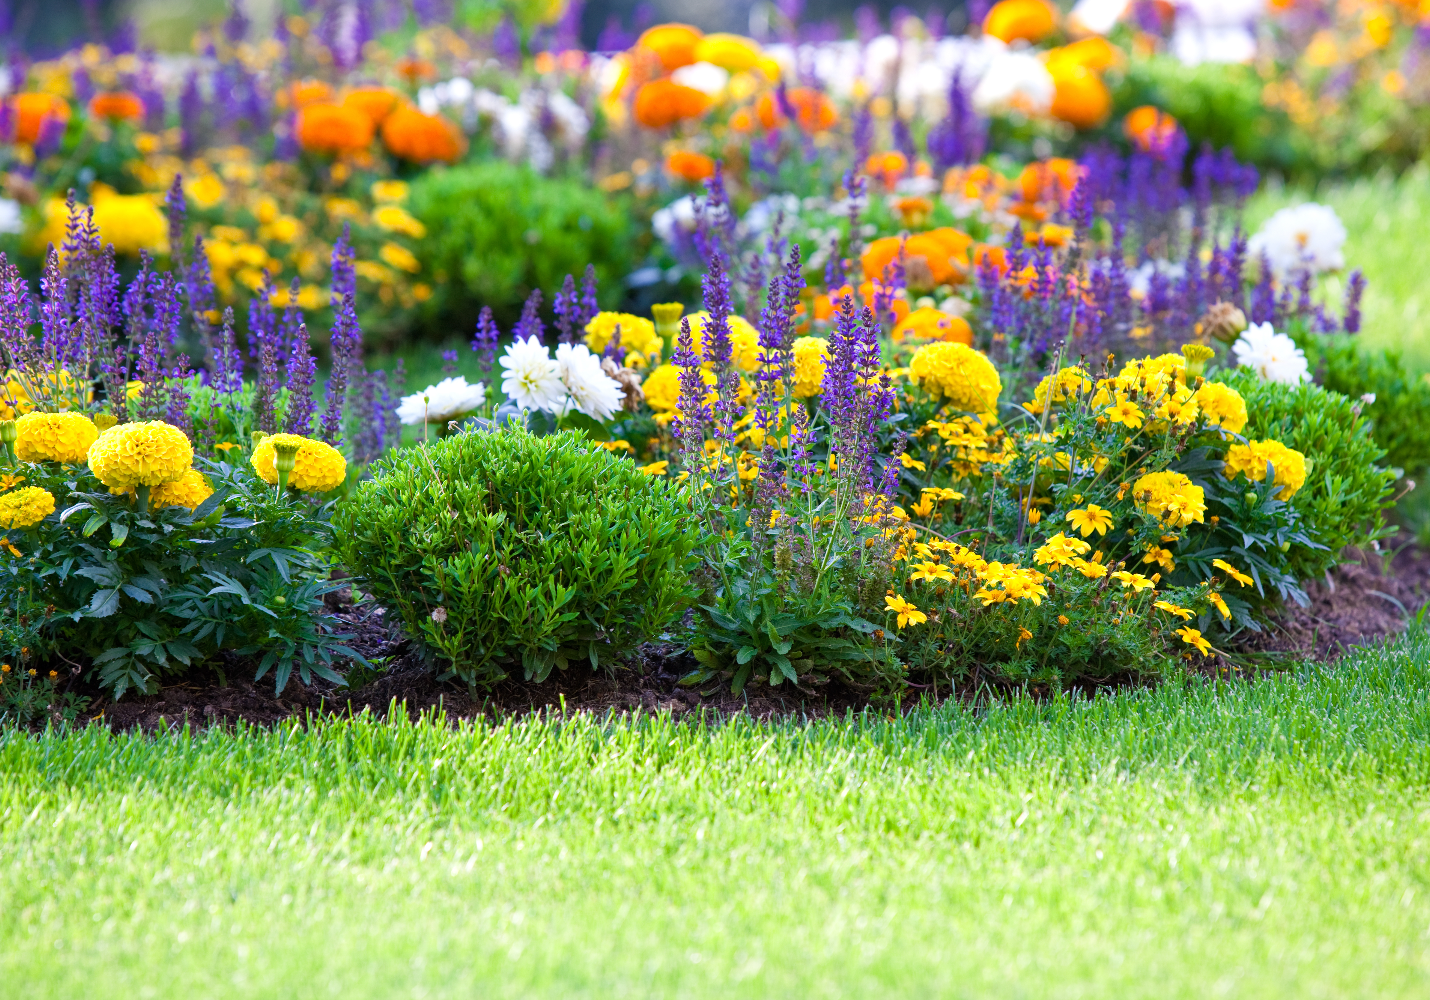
[(1273, 355), (1306, 236), (449, 399), (589, 389), (532, 380)]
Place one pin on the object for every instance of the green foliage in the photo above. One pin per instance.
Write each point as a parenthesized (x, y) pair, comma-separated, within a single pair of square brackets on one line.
[(497, 231), (149, 595), (498, 548), (1347, 485)]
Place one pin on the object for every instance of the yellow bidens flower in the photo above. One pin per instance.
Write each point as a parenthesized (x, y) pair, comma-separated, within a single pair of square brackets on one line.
[(189, 491), (811, 354), (25, 507), (638, 336), (1010, 582), (1172, 609), (398, 220), (959, 374), (1222, 406), (149, 453), (1170, 497), (908, 614), (1236, 574), (317, 467), (54, 437), (1253, 457), (1193, 637), (1219, 604), (654, 468), (1136, 581), (1091, 518)]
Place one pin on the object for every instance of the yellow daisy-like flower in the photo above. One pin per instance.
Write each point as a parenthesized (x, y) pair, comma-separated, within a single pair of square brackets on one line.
[(1091, 518), (1193, 637), (1222, 407), (908, 614), (654, 468), (400, 257), (1170, 497), (148, 453), (317, 468), (744, 340), (909, 462), (959, 374), (1253, 457), (389, 191), (1233, 572), (25, 507), (811, 354), (1125, 413), (638, 336), (1136, 581), (399, 220), (189, 491), (1172, 609), (930, 571), (1219, 604), (54, 437), (1089, 568)]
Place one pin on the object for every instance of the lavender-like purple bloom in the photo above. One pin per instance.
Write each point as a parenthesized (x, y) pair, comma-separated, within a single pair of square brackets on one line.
[(692, 403), (449, 363), (590, 303), (265, 393), (506, 42), (302, 374), (1263, 295), (484, 343), (341, 265), (530, 324), (191, 110), (614, 349), (176, 206), (567, 307), (51, 137), (346, 342), (1355, 288), (228, 363)]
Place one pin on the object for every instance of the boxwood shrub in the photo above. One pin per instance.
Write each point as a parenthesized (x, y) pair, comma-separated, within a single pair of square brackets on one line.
[(501, 549)]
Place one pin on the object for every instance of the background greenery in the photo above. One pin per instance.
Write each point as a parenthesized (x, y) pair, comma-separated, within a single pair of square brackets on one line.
[(1253, 839)]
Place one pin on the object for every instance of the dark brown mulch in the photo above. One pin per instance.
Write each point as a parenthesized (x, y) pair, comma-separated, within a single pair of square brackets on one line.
[(1361, 601)]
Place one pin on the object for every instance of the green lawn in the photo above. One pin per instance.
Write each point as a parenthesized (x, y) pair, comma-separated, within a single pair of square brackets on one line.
[(1386, 220), (1244, 840)]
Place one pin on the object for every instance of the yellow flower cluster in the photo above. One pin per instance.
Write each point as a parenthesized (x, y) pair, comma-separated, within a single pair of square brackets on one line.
[(971, 443), (1170, 497), (1068, 384), (25, 507), (1009, 583), (1062, 551), (638, 336), (1252, 458), (811, 354), (149, 453), (54, 437), (958, 374), (317, 468)]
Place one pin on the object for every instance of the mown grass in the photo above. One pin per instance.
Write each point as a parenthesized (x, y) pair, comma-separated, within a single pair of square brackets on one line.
[(1256, 839)]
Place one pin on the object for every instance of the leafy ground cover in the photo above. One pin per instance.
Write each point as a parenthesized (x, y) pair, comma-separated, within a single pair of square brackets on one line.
[(1200, 839)]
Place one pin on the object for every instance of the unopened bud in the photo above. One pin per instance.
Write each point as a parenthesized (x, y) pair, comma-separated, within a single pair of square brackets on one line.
[(8, 432), (285, 456), (1251, 498), (667, 319), (1197, 356)]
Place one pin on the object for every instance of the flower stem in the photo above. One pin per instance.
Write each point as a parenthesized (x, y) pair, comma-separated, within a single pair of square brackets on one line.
[(141, 499)]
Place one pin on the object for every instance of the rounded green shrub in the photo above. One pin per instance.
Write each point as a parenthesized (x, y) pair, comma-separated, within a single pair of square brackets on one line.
[(1347, 486), (497, 231), (502, 548)]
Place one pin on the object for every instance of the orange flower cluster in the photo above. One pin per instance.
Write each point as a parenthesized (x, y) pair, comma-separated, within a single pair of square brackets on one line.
[(662, 103), (333, 129), (117, 105), (419, 138), (692, 167), (31, 111)]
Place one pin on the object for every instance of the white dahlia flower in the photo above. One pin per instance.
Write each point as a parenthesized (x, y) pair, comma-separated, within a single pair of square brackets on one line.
[(1303, 237), (531, 380), (1274, 356), (588, 388), (449, 399)]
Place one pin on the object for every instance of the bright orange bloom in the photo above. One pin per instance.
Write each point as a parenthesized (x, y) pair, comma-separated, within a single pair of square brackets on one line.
[(1149, 127), (934, 324), (305, 92), (375, 102), (742, 121), (1030, 20), (693, 167), (31, 110), (1049, 180), (814, 111), (673, 44), (117, 105), (409, 134), (333, 129), (662, 103), (1080, 98), (983, 255), (944, 249), (413, 69)]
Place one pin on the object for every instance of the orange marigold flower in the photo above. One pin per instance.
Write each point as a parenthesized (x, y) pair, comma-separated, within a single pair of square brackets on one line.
[(375, 102), (1049, 180), (673, 44), (333, 129), (419, 138), (305, 92), (693, 167), (662, 103), (1149, 127), (1029, 20), (887, 167), (117, 105), (1080, 98), (31, 110), (934, 324), (814, 111)]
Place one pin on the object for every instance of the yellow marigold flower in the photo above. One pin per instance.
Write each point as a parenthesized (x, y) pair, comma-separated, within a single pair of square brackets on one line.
[(25, 507), (1060, 550), (930, 571), (204, 191), (1090, 569), (1172, 609), (389, 191), (1091, 518), (959, 374), (1170, 497), (149, 453), (638, 336), (811, 354), (1233, 572), (908, 614), (1071, 382), (1253, 457), (1126, 413), (1063, 620), (1222, 406), (1193, 637), (1219, 604), (132, 222), (744, 340), (655, 468), (317, 468), (400, 257), (188, 491), (1136, 581), (398, 220), (54, 437), (662, 388), (1162, 557)]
